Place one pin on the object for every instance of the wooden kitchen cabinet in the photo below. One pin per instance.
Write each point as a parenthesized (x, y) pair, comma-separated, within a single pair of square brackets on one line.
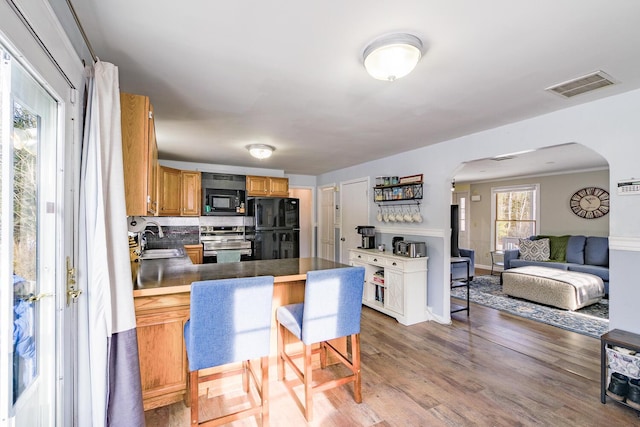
[(180, 192), (195, 252), (257, 186), (139, 155), (191, 203), (267, 186), (170, 191), (160, 324), (279, 187)]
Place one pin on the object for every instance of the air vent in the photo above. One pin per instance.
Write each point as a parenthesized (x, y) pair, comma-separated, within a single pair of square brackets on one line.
[(582, 84)]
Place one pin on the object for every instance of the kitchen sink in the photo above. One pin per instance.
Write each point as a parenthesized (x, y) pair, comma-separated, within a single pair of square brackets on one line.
[(162, 253)]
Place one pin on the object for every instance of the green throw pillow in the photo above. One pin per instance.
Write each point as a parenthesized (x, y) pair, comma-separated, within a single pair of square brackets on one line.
[(557, 247)]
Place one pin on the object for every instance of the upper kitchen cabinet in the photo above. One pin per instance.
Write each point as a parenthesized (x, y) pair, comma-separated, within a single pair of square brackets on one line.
[(139, 155), (267, 186), (170, 191), (180, 192), (191, 193)]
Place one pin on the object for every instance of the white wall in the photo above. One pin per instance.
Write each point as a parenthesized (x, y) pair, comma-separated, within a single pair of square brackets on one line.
[(609, 127)]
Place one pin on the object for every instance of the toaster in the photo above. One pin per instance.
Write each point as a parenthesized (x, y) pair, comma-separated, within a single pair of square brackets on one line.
[(411, 249)]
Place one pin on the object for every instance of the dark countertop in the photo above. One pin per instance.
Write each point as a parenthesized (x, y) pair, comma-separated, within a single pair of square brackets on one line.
[(175, 275)]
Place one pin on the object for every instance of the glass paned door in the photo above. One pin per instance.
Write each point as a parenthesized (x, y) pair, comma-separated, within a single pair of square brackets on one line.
[(25, 244), (28, 124)]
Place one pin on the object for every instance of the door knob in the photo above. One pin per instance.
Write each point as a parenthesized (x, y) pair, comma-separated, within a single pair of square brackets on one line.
[(342, 239), (34, 298)]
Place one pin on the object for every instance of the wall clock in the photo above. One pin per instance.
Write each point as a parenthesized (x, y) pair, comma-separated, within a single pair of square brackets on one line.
[(590, 202)]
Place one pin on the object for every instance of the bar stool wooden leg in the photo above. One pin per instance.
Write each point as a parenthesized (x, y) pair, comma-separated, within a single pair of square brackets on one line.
[(245, 376), (264, 390), (281, 331), (308, 384), (193, 391), (355, 356)]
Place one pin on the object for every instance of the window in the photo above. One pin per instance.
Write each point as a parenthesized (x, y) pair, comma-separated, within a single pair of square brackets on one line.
[(462, 202), (515, 214)]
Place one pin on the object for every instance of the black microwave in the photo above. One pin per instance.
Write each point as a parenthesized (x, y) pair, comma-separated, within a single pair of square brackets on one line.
[(223, 194)]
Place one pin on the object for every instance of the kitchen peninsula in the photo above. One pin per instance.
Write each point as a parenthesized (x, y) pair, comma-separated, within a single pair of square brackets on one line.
[(161, 290)]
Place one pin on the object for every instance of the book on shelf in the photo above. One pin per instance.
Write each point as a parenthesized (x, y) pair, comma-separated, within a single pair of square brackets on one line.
[(378, 277)]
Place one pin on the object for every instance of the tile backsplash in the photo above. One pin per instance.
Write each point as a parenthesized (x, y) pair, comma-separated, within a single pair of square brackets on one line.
[(174, 236)]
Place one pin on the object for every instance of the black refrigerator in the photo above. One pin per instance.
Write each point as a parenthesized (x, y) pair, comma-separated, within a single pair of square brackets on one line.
[(276, 227)]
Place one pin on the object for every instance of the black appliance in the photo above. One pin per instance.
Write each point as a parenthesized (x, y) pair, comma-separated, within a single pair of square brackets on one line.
[(395, 240), (223, 194), (276, 227), (368, 233), (455, 230)]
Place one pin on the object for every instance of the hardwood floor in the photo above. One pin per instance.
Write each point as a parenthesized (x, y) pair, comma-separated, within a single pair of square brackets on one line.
[(491, 369)]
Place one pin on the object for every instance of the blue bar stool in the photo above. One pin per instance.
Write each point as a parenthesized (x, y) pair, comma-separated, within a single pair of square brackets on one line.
[(331, 309), (230, 322)]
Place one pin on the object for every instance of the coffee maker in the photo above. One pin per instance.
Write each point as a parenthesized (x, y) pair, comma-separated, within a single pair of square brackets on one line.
[(395, 240), (368, 233)]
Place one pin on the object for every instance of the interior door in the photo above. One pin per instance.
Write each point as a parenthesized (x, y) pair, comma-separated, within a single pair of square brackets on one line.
[(28, 138), (354, 200), (326, 222)]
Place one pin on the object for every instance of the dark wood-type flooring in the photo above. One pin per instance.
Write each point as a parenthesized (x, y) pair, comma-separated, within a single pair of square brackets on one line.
[(491, 369)]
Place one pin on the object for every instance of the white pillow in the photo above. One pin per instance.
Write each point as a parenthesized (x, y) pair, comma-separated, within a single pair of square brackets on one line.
[(534, 250)]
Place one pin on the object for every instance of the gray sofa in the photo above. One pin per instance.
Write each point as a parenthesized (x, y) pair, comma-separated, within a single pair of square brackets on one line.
[(582, 254)]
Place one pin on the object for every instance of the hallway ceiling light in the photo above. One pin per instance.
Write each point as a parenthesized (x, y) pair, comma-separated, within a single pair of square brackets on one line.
[(260, 151), (393, 56)]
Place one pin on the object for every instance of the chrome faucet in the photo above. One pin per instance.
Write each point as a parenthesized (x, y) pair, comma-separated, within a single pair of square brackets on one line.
[(160, 233), (142, 239)]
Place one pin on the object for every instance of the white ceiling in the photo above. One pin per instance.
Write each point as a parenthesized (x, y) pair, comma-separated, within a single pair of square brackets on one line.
[(222, 75), (558, 159)]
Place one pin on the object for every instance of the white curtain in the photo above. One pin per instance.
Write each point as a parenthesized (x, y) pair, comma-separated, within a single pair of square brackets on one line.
[(109, 391)]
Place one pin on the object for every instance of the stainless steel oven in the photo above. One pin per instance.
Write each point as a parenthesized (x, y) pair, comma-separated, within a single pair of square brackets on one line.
[(224, 238)]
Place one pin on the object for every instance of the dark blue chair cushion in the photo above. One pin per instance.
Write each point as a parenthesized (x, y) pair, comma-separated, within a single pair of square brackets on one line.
[(596, 251), (290, 316), (332, 306), (230, 321)]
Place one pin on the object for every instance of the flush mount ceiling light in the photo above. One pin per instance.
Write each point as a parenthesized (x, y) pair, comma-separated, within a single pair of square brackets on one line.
[(260, 151), (393, 56)]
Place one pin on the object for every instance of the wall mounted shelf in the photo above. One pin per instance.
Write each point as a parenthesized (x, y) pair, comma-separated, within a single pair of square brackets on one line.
[(411, 192), (398, 202)]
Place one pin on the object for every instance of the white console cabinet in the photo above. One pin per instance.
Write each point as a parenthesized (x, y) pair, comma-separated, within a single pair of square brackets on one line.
[(394, 285)]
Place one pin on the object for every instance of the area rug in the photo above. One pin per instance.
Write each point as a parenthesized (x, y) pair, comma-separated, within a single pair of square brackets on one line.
[(486, 290)]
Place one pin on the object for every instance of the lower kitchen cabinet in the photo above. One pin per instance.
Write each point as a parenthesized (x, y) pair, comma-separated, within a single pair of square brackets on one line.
[(160, 324), (195, 252), (394, 285)]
